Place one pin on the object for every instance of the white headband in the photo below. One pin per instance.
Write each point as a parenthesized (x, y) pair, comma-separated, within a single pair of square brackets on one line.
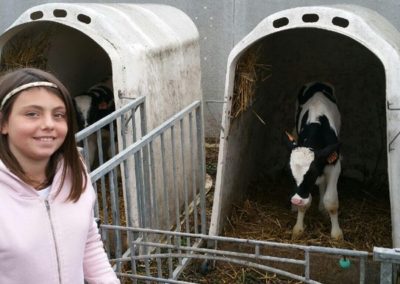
[(24, 87)]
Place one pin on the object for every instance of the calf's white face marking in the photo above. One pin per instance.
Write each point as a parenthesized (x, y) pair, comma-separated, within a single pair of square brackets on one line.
[(300, 161), (84, 103)]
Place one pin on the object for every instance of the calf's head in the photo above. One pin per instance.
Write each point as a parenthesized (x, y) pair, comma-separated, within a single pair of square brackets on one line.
[(93, 105), (306, 165)]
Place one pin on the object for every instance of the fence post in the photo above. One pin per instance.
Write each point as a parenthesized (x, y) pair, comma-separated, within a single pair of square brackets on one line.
[(390, 260)]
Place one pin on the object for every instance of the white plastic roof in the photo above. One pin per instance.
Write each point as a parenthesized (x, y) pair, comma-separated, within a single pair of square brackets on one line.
[(142, 26), (131, 35)]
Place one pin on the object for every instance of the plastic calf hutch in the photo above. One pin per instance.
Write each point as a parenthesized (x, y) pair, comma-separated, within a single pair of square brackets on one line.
[(356, 50), (149, 50)]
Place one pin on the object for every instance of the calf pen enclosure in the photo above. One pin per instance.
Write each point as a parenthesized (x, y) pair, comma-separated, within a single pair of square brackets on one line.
[(354, 49), (186, 253)]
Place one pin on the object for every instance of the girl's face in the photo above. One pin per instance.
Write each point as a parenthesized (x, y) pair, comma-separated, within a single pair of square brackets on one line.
[(37, 125)]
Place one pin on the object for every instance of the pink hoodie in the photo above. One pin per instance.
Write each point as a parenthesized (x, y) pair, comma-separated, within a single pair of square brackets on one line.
[(49, 241)]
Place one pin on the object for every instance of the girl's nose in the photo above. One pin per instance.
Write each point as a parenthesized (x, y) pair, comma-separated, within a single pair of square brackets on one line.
[(48, 122)]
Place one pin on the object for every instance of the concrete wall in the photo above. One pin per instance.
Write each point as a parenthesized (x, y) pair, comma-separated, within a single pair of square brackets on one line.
[(221, 25)]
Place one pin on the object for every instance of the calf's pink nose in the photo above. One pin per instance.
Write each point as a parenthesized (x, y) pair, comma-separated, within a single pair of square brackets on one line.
[(296, 201)]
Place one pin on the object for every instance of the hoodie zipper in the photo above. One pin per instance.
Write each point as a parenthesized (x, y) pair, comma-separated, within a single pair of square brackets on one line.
[(54, 239)]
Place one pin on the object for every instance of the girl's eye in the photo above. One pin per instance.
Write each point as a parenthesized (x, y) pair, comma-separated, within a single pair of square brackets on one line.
[(32, 114), (60, 115)]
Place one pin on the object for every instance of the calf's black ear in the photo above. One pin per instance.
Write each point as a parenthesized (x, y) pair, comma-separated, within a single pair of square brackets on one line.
[(329, 154), (290, 141)]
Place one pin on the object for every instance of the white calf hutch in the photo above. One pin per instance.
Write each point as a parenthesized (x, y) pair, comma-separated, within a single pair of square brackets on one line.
[(148, 50), (353, 48)]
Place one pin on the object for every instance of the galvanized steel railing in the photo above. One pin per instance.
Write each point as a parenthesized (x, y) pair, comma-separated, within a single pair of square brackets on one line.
[(165, 259)]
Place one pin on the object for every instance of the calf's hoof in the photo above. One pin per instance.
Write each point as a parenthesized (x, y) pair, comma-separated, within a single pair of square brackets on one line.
[(297, 232), (337, 234)]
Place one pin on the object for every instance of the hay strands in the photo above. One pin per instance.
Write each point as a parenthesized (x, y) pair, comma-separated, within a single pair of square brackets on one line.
[(249, 71)]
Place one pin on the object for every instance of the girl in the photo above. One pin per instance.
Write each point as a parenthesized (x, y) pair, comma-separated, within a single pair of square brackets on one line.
[(47, 229)]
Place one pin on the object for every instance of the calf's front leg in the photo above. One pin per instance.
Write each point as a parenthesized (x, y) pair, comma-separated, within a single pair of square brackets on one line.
[(331, 200), (298, 228)]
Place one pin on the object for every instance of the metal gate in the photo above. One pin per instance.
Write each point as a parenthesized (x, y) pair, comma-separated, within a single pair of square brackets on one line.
[(149, 254), (169, 193)]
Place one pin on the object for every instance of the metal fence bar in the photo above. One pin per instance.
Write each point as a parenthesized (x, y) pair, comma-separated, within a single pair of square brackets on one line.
[(194, 176), (184, 176), (124, 169), (307, 265), (143, 118), (152, 185), (165, 180), (115, 217), (86, 151), (104, 199), (170, 264), (139, 187), (114, 188), (201, 165), (363, 261), (153, 279), (146, 186), (159, 268), (113, 147), (390, 262), (216, 253), (104, 234), (99, 142), (133, 258), (174, 177)]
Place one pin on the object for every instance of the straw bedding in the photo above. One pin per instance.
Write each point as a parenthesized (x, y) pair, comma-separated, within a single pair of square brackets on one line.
[(249, 72), (26, 50)]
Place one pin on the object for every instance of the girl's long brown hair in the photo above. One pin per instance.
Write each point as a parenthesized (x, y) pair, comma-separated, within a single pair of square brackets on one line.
[(68, 151)]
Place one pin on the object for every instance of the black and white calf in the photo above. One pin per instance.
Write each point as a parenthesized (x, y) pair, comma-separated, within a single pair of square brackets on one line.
[(314, 157), (92, 105)]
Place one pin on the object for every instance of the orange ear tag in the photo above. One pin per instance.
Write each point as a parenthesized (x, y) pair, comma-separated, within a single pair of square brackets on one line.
[(332, 158), (291, 138), (103, 105)]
